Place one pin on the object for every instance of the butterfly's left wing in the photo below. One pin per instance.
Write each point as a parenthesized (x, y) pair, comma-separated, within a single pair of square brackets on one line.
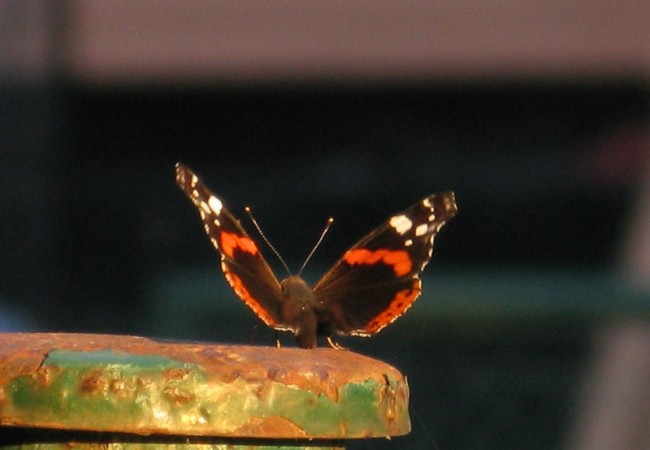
[(241, 261), (376, 281)]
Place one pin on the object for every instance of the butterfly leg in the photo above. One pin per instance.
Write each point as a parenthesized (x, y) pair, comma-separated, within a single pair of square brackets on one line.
[(277, 339), (334, 345)]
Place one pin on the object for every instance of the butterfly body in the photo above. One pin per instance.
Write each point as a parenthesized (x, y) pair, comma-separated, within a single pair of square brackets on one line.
[(373, 284), (299, 310)]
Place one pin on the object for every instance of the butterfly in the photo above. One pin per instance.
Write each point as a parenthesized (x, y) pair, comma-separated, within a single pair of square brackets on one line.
[(372, 284)]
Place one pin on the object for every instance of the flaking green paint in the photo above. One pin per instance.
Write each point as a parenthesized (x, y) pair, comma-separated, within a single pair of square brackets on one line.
[(108, 391), (126, 385), (69, 358)]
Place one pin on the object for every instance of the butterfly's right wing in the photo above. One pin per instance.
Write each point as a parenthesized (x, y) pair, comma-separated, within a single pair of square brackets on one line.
[(241, 261), (377, 280)]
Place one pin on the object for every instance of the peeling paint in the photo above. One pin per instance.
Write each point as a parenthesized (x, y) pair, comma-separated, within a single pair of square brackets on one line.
[(140, 386)]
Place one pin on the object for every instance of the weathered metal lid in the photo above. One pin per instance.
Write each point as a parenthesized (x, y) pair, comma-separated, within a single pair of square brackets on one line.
[(127, 384)]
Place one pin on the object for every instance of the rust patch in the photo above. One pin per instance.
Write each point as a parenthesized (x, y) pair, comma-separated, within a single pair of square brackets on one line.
[(228, 376), (276, 374), (121, 388), (176, 374), (178, 396), (45, 374), (262, 426), (93, 383)]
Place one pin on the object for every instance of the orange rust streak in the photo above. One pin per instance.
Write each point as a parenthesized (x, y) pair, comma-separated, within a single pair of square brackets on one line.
[(398, 259), (242, 292), (231, 241)]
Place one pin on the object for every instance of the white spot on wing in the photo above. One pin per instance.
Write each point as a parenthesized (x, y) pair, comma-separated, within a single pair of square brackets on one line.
[(408, 242), (401, 223), (421, 229), (215, 204)]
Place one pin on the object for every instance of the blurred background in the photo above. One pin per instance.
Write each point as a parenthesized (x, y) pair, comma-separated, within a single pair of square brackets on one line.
[(531, 332)]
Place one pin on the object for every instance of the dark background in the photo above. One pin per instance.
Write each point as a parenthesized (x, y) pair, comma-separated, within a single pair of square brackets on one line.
[(523, 162), (127, 252), (547, 172)]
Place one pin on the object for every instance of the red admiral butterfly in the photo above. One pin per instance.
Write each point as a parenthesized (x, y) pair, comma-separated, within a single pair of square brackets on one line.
[(373, 284)]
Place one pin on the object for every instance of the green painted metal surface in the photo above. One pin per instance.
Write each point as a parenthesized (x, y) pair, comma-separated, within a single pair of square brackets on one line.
[(141, 387), (101, 390)]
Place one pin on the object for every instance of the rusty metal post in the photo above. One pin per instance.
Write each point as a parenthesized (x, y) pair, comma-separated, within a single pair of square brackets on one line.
[(125, 392)]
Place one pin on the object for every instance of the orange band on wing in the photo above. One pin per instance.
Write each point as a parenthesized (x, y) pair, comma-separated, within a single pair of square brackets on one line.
[(230, 241), (399, 260), (242, 292), (402, 301)]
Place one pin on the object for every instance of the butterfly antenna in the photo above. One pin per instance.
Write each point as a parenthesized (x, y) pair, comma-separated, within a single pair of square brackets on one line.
[(259, 230), (330, 221)]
